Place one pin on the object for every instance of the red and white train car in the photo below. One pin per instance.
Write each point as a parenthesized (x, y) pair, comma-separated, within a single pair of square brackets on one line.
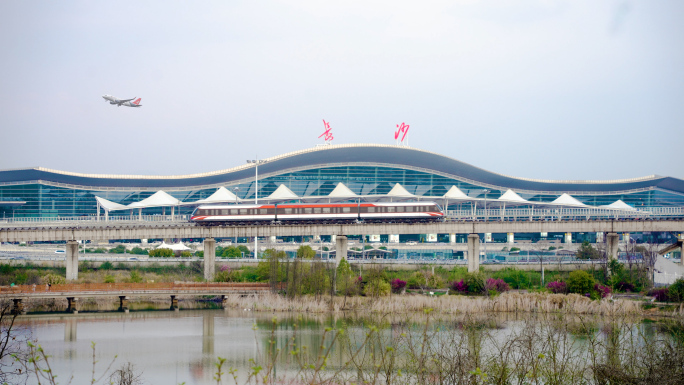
[(319, 212)]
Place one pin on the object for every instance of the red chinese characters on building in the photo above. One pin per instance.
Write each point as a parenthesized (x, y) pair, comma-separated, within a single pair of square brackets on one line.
[(327, 135), (401, 129)]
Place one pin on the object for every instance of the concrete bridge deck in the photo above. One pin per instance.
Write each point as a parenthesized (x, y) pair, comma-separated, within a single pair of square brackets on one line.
[(149, 230), (72, 292)]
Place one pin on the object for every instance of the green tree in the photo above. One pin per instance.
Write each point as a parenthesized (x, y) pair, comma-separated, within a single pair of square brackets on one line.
[(231, 252), (346, 284), (580, 282), (305, 252), (586, 251), (186, 254)]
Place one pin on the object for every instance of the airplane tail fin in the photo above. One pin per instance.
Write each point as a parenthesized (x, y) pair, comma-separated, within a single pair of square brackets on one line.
[(137, 101)]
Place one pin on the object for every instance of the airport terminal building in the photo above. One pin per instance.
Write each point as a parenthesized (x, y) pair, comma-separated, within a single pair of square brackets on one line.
[(366, 169)]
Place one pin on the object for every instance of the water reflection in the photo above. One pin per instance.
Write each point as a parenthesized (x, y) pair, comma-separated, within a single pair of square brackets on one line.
[(172, 347)]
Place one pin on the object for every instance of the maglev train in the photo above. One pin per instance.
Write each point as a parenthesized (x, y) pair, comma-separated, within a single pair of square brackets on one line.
[(318, 212)]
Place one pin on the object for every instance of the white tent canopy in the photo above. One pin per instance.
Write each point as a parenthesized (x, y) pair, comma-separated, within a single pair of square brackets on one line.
[(567, 200), (455, 193), (282, 193), (512, 196), (158, 199), (398, 191), (619, 205), (175, 247), (109, 205), (222, 195), (342, 191)]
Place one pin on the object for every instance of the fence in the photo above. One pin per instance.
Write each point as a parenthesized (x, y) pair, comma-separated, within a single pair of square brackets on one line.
[(124, 287)]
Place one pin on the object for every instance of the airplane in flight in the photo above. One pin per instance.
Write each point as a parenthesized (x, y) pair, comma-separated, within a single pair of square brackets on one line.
[(122, 102)]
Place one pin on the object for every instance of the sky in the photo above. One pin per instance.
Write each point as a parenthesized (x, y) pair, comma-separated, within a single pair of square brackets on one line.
[(565, 90)]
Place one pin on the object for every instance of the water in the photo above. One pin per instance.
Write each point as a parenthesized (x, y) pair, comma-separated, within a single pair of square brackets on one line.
[(173, 347)]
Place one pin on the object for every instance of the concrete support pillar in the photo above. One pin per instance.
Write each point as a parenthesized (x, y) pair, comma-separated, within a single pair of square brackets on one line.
[(612, 245), (473, 252), (452, 238), (599, 237), (510, 237), (174, 302), (340, 249), (568, 238), (140, 214), (72, 305), (209, 258), (71, 260), (123, 303), (18, 307), (70, 329)]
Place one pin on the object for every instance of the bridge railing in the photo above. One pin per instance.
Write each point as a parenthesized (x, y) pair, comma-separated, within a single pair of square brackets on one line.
[(123, 287), (490, 214)]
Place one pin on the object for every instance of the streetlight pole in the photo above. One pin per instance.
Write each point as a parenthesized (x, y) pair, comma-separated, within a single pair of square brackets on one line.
[(256, 193), (486, 219), (235, 192)]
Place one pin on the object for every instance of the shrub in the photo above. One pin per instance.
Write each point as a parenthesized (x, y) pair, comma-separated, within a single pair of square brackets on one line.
[(603, 291), (186, 254), (497, 285), (138, 251), (377, 288), (199, 254), (119, 249), (162, 253), (661, 294), (580, 282), (398, 285), (135, 277), (676, 291), (459, 287), (416, 281), (53, 279), (557, 287), (625, 287), (435, 281), (517, 279), (106, 266), (224, 268), (475, 283), (109, 279)]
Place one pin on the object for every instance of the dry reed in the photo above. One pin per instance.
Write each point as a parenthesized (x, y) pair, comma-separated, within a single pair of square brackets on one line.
[(453, 304)]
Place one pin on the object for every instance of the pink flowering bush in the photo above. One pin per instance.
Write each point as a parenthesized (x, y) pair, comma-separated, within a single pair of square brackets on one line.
[(557, 287), (603, 291), (224, 268), (397, 285), (499, 285), (459, 287)]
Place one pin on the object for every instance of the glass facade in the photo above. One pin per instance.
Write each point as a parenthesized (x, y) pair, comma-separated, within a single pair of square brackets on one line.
[(45, 199)]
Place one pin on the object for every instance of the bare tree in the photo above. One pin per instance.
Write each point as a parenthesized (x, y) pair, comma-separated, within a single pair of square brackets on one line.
[(12, 344)]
